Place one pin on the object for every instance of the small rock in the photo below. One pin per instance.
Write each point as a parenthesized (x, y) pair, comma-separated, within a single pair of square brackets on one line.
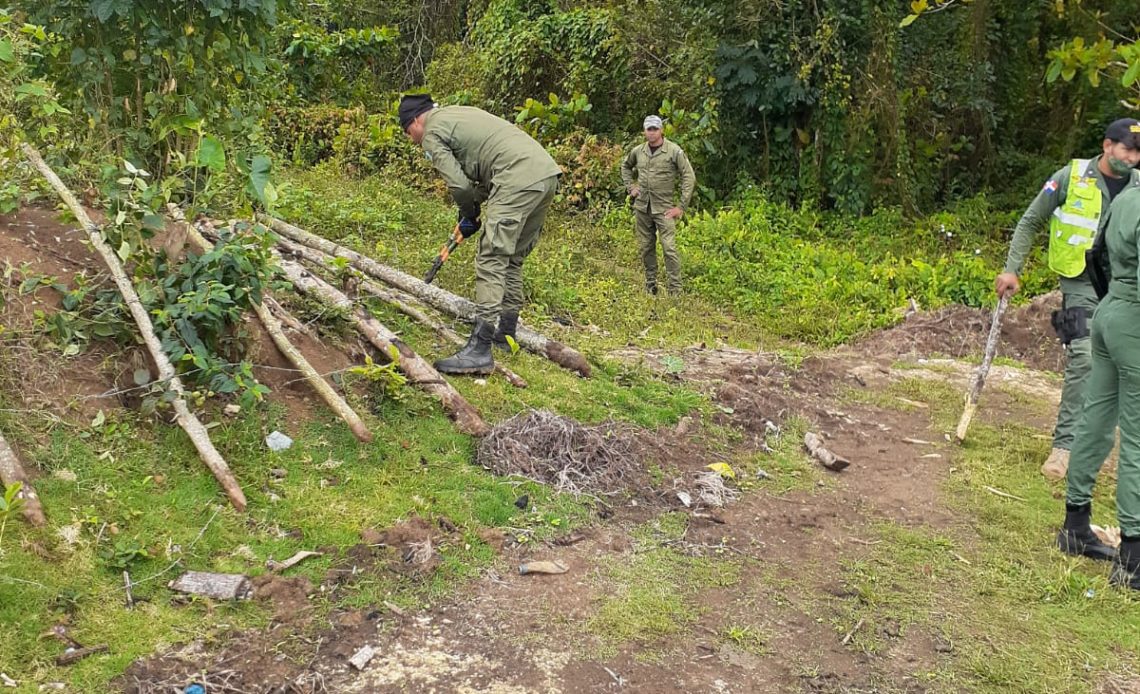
[(685, 498), (231, 410), (943, 646), (273, 498), (278, 442), (278, 473), (361, 658), (522, 502), (65, 475), (480, 381)]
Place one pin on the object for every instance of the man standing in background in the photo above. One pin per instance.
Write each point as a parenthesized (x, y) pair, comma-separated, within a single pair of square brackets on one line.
[(657, 166)]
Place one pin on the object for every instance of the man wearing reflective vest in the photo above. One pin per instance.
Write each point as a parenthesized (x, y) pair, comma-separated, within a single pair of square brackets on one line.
[(1074, 204)]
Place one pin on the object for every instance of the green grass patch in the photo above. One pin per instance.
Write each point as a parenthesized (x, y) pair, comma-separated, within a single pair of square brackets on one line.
[(654, 594)]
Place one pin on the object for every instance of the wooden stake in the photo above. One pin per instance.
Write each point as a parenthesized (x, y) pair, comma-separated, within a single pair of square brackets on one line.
[(418, 371), (11, 472), (272, 326), (975, 391), (401, 302), (194, 429), (440, 299)]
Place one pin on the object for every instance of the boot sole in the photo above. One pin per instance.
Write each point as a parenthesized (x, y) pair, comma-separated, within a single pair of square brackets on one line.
[(1080, 549), (476, 371)]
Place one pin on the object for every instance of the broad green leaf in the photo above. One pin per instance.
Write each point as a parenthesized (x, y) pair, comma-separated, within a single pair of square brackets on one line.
[(1131, 74), (1054, 71), (124, 251), (31, 89), (259, 169), (211, 154), (908, 20), (7, 54)]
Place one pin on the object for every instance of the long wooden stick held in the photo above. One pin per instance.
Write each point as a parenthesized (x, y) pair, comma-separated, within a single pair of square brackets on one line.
[(273, 326), (198, 434), (975, 391)]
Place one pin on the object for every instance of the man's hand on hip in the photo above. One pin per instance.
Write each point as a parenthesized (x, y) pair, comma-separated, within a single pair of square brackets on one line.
[(673, 213), (634, 190)]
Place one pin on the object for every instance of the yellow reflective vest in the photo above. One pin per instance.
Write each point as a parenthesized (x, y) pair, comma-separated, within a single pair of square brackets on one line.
[(1073, 226)]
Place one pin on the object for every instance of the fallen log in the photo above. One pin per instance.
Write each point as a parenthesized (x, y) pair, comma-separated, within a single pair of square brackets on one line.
[(413, 365), (193, 427), (400, 301), (74, 655), (272, 326), (434, 296), (12, 472)]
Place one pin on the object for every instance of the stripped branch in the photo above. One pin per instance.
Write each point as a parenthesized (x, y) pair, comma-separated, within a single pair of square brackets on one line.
[(436, 297), (186, 419)]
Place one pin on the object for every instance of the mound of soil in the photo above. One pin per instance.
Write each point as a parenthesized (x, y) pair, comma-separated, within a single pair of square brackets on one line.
[(959, 331)]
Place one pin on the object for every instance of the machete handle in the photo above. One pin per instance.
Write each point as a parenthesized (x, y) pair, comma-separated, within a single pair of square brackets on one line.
[(444, 254)]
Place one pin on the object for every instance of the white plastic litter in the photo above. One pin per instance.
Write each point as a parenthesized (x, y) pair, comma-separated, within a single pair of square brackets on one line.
[(278, 442)]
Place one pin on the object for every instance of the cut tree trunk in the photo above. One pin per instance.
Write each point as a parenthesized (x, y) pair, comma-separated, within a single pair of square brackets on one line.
[(272, 326), (434, 296), (400, 301), (194, 429), (417, 370), (11, 472)]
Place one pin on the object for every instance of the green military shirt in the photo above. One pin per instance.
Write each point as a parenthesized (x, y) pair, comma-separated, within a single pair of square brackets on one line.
[(1040, 211), (478, 153), (657, 174), (1122, 238)]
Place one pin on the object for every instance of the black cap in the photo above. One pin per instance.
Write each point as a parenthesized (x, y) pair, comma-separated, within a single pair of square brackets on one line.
[(412, 105), (1125, 131)]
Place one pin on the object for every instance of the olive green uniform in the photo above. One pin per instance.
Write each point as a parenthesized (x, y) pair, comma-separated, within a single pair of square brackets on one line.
[(657, 173), (1113, 387), (489, 162), (1076, 292)]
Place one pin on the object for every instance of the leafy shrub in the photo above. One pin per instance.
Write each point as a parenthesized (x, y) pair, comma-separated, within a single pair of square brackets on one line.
[(307, 134)]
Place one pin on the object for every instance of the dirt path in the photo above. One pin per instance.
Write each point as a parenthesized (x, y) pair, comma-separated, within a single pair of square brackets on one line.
[(780, 624)]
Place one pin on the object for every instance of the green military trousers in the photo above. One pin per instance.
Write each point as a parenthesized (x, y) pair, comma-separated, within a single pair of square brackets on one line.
[(1112, 393), (513, 223), (651, 227), (1078, 360)]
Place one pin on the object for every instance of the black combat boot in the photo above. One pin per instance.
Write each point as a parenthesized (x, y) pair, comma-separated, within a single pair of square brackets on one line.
[(1126, 568), (651, 288), (475, 356), (508, 324), (1078, 539)]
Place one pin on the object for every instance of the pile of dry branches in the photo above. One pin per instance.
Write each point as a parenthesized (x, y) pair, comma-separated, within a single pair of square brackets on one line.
[(561, 452)]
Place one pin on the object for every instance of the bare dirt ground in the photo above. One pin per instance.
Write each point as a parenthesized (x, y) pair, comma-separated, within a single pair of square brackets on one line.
[(529, 633)]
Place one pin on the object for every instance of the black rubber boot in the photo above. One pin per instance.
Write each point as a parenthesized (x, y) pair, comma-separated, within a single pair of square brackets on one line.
[(651, 288), (1078, 539), (508, 324), (475, 356), (1126, 568)]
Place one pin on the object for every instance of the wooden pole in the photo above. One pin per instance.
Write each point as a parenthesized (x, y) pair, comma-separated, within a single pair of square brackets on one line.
[(418, 371), (400, 301), (11, 472), (975, 391), (298, 360), (436, 297), (194, 429)]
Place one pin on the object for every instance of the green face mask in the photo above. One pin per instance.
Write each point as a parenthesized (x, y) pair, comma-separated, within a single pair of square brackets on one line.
[(1119, 166)]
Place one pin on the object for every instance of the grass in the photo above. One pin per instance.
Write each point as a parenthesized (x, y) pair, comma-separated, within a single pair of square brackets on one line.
[(1020, 615), (655, 594)]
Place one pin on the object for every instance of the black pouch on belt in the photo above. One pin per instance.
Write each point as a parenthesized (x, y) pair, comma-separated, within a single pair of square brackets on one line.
[(1071, 324)]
